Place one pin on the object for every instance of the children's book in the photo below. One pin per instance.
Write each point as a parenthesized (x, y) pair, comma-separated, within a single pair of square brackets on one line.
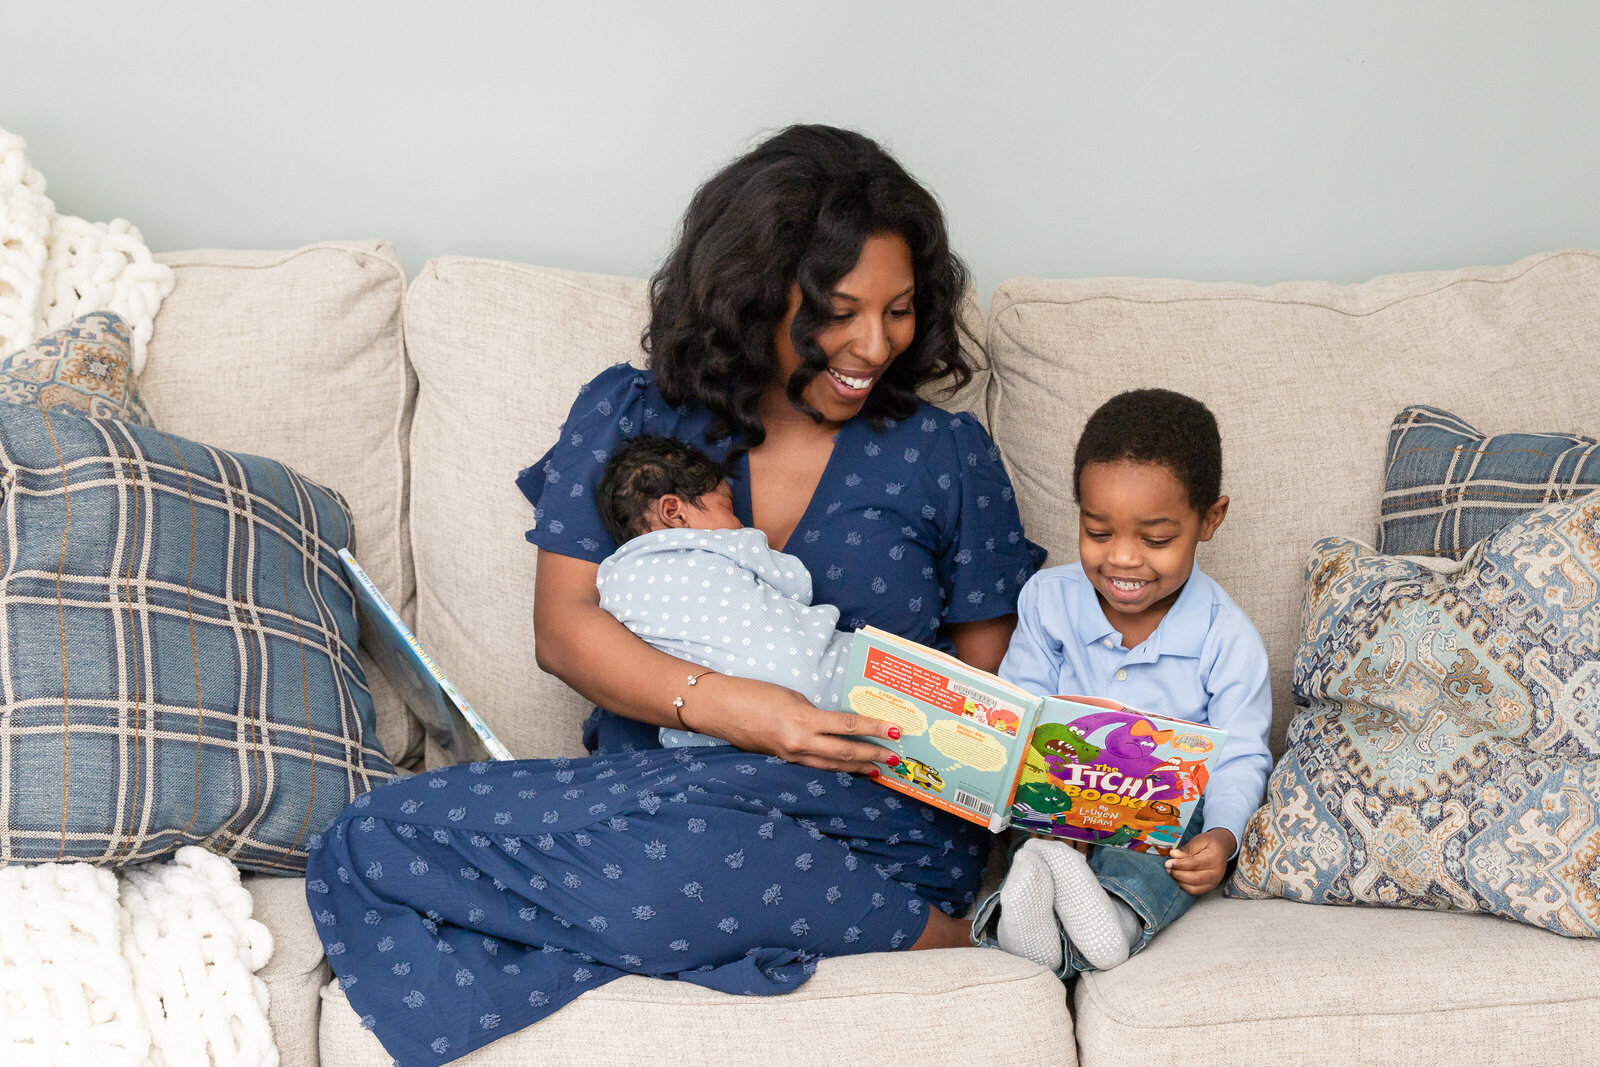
[(455, 727), (1080, 768)]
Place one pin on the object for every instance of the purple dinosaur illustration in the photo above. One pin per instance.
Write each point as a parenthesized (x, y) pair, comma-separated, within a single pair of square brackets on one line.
[(1130, 746)]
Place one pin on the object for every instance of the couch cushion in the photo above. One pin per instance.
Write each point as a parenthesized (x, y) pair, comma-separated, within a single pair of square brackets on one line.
[(499, 350), (298, 355), (1304, 378), (297, 970), (1447, 485), (945, 1006), (1270, 981)]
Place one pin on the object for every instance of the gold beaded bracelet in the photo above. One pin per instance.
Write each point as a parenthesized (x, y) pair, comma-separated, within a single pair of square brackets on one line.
[(677, 702)]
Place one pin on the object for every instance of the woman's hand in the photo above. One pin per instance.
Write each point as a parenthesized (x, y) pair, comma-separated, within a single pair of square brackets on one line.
[(769, 719), (1198, 866)]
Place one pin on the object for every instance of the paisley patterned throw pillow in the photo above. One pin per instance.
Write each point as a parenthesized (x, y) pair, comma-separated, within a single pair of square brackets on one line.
[(1446, 754), (85, 368)]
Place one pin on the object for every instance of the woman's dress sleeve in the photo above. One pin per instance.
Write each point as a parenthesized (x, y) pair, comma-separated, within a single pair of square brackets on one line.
[(609, 410), (985, 560)]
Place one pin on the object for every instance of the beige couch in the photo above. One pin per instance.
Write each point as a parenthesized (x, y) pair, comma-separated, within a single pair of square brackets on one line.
[(421, 402)]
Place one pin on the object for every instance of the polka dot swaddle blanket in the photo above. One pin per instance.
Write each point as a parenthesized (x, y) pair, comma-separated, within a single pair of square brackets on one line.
[(727, 600)]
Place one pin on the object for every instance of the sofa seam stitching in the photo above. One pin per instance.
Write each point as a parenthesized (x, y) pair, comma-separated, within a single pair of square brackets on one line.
[(1239, 298)]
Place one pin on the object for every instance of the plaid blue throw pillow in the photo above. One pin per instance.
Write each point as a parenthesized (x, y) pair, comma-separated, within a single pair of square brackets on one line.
[(1446, 486), (177, 650)]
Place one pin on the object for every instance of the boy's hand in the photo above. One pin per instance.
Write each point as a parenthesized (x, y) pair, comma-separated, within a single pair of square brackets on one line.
[(1197, 867)]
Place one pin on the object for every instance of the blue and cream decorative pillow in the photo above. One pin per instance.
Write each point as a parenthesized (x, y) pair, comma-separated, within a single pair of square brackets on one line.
[(1446, 754), (85, 368), (1447, 486), (177, 650)]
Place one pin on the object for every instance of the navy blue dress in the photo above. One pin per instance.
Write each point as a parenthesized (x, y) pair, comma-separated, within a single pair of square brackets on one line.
[(463, 904)]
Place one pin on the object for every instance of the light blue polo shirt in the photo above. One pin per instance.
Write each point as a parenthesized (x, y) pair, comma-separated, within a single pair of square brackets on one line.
[(1205, 662)]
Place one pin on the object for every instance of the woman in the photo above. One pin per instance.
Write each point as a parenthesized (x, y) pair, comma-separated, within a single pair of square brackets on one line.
[(811, 294)]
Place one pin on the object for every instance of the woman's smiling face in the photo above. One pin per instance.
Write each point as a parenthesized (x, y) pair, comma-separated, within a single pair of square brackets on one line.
[(874, 320)]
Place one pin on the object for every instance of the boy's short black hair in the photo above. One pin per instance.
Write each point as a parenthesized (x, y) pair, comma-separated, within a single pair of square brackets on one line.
[(1156, 426), (646, 469)]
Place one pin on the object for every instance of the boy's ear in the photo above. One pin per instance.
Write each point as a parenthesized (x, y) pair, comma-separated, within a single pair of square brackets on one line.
[(1213, 518), (669, 512)]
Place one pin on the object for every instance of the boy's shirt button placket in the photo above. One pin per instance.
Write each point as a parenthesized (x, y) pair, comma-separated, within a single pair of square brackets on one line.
[(1122, 676)]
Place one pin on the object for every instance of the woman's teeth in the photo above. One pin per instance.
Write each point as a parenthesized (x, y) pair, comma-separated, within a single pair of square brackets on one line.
[(849, 382)]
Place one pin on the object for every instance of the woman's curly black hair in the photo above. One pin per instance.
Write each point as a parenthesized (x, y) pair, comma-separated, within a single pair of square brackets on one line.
[(797, 209)]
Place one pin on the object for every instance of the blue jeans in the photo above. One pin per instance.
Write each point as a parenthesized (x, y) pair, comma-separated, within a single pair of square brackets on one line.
[(1139, 879)]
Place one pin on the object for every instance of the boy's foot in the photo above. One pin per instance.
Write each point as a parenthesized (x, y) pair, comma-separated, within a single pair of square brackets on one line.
[(1027, 925), (1087, 912)]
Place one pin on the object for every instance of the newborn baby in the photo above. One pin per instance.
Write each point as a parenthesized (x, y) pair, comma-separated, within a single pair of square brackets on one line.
[(691, 580)]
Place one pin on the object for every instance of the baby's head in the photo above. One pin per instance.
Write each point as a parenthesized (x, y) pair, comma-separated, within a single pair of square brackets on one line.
[(656, 483), (1147, 476)]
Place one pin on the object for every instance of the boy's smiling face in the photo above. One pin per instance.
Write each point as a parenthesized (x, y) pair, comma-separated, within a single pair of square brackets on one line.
[(1137, 533)]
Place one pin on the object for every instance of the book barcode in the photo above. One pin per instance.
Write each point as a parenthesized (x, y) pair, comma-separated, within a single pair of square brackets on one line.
[(974, 802)]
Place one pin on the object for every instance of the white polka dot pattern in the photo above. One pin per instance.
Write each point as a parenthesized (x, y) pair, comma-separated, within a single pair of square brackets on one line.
[(726, 600)]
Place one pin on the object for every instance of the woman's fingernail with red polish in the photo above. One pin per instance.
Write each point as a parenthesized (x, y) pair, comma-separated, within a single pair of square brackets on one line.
[(892, 760), (872, 772), (894, 733)]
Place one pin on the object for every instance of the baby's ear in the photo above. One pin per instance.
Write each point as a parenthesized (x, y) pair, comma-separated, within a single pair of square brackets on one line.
[(668, 511), (1213, 518)]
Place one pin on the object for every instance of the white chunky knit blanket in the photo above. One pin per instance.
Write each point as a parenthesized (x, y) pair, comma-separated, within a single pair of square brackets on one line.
[(153, 968), (54, 268)]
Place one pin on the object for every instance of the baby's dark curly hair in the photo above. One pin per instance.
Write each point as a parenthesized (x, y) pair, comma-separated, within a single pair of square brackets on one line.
[(643, 471), (1156, 426), (796, 210)]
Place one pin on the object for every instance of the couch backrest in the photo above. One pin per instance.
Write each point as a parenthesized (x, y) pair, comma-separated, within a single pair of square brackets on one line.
[(299, 356), (500, 350), (1304, 378)]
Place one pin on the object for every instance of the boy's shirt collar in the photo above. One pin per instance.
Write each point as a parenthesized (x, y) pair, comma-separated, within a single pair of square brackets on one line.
[(1181, 632)]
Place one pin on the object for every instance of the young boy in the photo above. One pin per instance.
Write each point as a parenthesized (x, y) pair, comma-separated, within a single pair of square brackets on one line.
[(693, 581), (1136, 621)]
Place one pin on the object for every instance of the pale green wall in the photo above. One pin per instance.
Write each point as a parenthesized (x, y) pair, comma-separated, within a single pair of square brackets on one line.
[(1252, 141)]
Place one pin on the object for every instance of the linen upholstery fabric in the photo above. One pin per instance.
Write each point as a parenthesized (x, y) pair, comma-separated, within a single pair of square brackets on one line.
[(1447, 486), (1275, 982), (1447, 754), (86, 366), (177, 650), (298, 355), (1304, 378), (500, 350), (297, 970), (927, 1007)]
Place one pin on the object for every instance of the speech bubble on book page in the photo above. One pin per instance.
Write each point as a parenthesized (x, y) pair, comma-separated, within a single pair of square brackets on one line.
[(962, 743), (882, 704)]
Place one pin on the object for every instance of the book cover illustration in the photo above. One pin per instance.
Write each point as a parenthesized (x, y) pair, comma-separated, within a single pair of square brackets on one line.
[(449, 720), (1079, 768), (960, 743), (1099, 772)]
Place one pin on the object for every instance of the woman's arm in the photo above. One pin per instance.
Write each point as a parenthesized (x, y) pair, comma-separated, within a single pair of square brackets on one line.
[(579, 642), (983, 644)]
